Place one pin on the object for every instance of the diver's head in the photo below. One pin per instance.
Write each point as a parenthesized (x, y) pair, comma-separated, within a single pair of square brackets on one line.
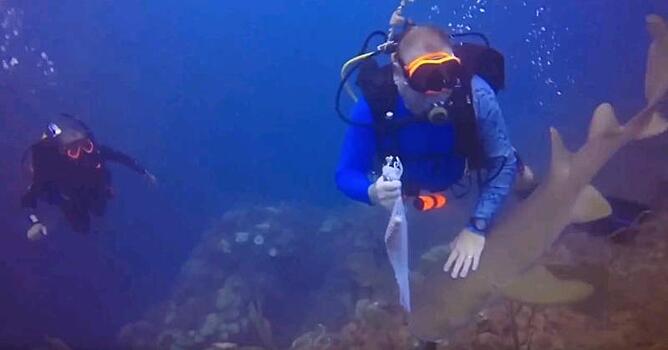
[(425, 68), (71, 142), (421, 40)]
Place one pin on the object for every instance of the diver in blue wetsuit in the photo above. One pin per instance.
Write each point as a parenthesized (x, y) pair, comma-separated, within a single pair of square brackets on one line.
[(442, 118)]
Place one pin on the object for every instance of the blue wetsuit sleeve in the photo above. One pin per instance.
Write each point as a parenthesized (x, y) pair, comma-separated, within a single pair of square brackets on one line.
[(357, 155), (500, 159)]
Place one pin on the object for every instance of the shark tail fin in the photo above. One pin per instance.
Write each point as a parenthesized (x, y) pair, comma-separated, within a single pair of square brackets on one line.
[(656, 78)]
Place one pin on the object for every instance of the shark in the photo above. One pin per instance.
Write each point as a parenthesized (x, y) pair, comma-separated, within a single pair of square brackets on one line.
[(510, 265)]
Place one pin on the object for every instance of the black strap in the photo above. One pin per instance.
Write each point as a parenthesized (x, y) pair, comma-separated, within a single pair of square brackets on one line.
[(379, 90)]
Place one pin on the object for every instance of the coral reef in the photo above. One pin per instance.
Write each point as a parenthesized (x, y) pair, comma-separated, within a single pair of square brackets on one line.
[(279, 278), (628, 310), (375, 326), (264, 275)]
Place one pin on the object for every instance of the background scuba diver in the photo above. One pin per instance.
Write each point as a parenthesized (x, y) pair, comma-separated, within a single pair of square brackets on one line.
[(69, 171), (453, 124)]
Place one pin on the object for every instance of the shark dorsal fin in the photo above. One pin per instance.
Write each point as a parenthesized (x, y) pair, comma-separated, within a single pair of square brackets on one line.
[(561, 157), (657, 26), (604, 123), (656, 75), (590, 206), (540, 286)]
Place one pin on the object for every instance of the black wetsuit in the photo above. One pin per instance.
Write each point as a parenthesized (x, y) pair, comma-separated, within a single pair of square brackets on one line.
[(78, 186)]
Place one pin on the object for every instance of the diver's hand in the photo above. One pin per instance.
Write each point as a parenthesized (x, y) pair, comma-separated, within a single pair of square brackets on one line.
[(466, 250), (37, 231), (397, 19), (150, 178), (525, 182), (385, 192)]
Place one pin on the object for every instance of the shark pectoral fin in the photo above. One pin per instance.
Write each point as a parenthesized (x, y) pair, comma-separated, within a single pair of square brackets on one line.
[(540, 286), (590, 206)]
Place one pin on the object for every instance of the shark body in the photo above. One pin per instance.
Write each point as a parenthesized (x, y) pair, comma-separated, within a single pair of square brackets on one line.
[(509, 265)]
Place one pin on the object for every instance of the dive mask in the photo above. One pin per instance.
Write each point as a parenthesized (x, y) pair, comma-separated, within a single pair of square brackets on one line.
[(433, 73), (74, 149)]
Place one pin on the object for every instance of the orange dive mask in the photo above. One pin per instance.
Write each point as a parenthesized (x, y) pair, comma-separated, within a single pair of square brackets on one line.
[(433, 73), (73, 151)]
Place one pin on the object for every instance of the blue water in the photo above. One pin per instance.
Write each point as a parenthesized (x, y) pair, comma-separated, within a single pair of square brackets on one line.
[(231, 104)]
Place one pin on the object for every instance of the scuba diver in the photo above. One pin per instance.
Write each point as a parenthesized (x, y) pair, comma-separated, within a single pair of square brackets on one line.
[(435, 107), (69, 170)]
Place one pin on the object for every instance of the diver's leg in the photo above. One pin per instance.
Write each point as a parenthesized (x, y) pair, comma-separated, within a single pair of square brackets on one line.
[(627, 216), (76, 216), (622, 224), (627, 210), (98, 203), (525, 180)]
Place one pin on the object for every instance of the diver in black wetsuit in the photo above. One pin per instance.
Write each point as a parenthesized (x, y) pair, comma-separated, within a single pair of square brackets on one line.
[(69, 170)]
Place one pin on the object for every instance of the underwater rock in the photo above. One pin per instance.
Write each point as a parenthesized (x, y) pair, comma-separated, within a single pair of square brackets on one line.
[(234, 215), (231, 314), (225, 246), (241, 237), (376, 326), (437, 254), (137, 335), (365, 294), (53, 343), (227, 298), (223, 346), (318, 339), (210, 325), (175, 340), (261, 324), (373, 314), (265, 226), (231, 295), (195, 267), (488, 341), (330, 224), (258, 240)]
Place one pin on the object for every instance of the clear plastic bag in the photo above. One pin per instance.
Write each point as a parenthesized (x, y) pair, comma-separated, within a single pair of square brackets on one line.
[(396, 235)]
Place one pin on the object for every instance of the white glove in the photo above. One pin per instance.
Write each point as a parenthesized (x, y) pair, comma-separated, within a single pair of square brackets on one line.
[(466, 250), (385, 192), (37, 231)]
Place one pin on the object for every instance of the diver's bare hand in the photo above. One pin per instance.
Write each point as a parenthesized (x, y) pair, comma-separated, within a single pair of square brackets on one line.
[(37, 231), (465, 255), (151, 178), (397, 19)]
